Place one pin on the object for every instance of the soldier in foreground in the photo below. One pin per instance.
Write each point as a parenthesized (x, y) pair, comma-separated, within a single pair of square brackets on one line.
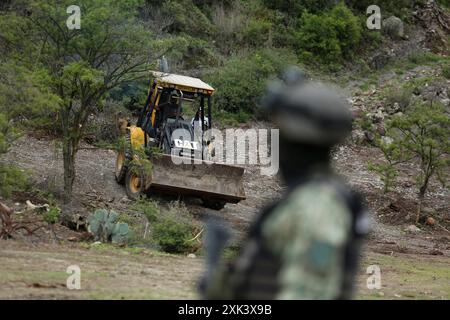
[(305, 246)]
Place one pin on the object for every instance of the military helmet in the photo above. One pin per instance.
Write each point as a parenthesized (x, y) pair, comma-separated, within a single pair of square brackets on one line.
[(307, 112)]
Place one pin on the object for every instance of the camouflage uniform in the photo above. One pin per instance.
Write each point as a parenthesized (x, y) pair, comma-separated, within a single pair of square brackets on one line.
[(305, 246), (304, 239), (310, 239)]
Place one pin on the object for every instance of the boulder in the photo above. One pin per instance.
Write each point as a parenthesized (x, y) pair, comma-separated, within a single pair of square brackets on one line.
[(393, 27), (412, 229), (381, 59)]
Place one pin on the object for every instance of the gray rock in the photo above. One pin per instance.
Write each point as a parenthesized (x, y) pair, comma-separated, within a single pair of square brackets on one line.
[(381, 129), (381, 59), (393, 108), (370, 136), (412, 229), (387, 140), (358, 136), (393, 27)]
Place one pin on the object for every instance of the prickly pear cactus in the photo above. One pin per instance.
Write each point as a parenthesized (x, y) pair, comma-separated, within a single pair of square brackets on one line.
[(120, 233), (102, 224)]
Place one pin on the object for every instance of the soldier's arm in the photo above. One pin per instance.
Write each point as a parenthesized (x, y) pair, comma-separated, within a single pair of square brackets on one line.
[(309, 233), (218, 287)]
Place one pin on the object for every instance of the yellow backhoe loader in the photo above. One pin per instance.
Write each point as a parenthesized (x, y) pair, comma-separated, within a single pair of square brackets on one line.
[(158, 128)]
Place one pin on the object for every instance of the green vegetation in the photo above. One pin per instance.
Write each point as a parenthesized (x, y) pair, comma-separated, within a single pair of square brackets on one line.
[(242, 79), (445, 3), (387, 172), (172, 235), (403, 275), (329, 37), (402, 97), (81, 66), (446, 71), (11, 179), (171, 229), (399, 8), (422, 58), (421, 133), (52, 216), (71, 83), (24, 101), (106, 226), (149, 209), (174, 231)]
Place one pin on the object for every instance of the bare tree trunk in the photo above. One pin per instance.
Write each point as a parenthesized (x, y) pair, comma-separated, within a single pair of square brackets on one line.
[(422, 191), (69, 168), (419, 208), (69, 150)]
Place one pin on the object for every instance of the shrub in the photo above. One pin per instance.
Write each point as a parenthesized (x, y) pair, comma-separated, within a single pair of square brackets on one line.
[(295, 7), (446, 71), (329, 37), (11, 179), (171, 228), (230, 119), (423, 57), (148, 208), (387, 173), (256, 32), (444, 3), (187, 18), (242, 80), (400, 8), (386, 170), (174, 229), (52, 216), (172, 235), (402, 97)]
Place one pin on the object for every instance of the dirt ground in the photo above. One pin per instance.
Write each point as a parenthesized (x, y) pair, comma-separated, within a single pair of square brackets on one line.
[(39, 272)]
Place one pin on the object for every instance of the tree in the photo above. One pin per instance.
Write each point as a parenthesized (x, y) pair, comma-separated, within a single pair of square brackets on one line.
[(23, 97), (112, 47), (423, 134), (387, 170)]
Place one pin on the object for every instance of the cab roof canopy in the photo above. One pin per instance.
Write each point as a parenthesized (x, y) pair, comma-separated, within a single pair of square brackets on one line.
[(183, 83)]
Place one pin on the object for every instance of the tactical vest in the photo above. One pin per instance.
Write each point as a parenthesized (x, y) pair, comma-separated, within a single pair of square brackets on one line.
[(254, 273)]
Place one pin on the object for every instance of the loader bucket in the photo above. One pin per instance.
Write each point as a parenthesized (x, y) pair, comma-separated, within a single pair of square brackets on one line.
[(206, 180)]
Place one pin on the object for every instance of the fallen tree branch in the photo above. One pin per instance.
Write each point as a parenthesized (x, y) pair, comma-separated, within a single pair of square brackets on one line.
[(9, 226), (442, 227)]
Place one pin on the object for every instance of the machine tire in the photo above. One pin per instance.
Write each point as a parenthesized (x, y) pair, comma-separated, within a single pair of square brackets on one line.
[(134, 182), (123, 160), (121, 168), (213, 204)]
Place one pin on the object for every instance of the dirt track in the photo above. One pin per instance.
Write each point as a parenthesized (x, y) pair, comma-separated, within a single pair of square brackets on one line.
[(95, 181)]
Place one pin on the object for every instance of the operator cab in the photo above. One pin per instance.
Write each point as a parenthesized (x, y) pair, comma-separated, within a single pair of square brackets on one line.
[(163, 111)]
